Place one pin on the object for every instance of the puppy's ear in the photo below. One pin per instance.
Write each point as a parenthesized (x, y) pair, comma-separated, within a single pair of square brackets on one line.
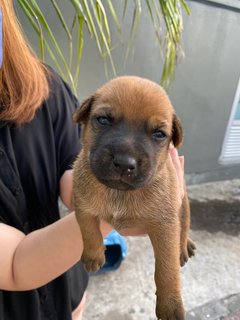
[(82, 113), (177, 132)]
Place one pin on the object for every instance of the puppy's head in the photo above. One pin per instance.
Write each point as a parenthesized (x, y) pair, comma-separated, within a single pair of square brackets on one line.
[(128, 125)]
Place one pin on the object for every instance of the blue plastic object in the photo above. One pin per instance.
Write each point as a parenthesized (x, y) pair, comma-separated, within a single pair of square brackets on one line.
[(116, 250)]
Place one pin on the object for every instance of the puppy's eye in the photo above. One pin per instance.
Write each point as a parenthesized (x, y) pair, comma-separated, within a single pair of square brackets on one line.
[(158, 135), (104, 120)]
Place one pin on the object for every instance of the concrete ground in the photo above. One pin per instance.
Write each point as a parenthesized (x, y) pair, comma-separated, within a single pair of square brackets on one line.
[(210, 280)]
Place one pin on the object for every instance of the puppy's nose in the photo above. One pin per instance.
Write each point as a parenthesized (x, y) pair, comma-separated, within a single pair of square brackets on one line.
[(124, 164)]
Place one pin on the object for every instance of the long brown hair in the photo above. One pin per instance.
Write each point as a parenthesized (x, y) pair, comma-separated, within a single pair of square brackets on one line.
[(23, 78)]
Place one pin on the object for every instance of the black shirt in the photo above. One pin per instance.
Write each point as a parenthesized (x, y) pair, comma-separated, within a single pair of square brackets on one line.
[(33, 158)]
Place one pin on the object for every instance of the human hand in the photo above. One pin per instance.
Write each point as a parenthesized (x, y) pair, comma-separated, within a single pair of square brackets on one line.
[(106, 228), (178, 163), (134, 231)]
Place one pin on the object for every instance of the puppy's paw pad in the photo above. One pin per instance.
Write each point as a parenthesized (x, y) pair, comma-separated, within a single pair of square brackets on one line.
[(177, 313), (187, 251), (93, 263), (191, 247), (183, 257)]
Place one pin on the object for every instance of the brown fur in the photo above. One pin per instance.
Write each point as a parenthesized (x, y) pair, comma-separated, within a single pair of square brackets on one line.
[(145, 191)]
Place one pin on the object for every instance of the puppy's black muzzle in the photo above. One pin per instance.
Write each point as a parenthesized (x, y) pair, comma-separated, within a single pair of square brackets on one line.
[(120, 166), (122, 157), (124, 164)]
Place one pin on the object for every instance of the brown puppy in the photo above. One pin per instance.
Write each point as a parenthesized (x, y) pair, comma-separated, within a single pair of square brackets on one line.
[(124, 175)]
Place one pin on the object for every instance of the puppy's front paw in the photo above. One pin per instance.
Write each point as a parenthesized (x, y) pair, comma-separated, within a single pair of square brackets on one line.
[(93, 260), (187, 251), (170, 311), (191, 248)]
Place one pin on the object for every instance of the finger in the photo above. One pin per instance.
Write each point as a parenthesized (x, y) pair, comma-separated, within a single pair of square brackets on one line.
[(134, 231), (178, 163), (181, 159), (175, 158)]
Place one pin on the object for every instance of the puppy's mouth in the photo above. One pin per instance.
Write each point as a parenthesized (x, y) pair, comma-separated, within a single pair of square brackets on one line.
[(121, 171), (118, 184)]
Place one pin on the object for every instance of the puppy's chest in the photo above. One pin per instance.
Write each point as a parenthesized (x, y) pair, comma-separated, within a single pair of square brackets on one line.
[(123, 210), (117, 208)]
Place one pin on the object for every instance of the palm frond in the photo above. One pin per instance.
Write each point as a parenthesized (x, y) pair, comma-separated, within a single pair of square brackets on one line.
[(165, 16)]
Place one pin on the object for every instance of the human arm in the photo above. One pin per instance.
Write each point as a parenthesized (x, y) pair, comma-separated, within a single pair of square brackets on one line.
[(30, 261), (178, 163)]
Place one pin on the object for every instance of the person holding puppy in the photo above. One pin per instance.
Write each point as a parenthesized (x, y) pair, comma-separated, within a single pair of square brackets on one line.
[(41, 276)]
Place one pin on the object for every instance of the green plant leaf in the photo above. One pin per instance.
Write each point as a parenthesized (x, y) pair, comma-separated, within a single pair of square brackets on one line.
[(114, 15), (34, 22), (134, 26), (105, 21), (52, 38), (184, 4), (79, 49), (165, 16), (103, 37), (38, 29), (62, 20)]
